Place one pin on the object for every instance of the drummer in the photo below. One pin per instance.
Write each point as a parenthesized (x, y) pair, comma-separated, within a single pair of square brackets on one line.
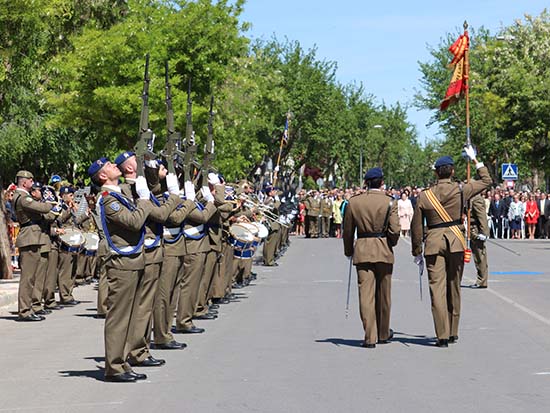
[(67, 256)]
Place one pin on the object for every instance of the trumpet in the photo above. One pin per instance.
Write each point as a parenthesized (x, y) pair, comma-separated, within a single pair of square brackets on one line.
[(265, 210)]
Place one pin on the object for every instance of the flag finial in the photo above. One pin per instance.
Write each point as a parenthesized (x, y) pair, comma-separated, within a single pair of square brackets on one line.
[(465, 25)]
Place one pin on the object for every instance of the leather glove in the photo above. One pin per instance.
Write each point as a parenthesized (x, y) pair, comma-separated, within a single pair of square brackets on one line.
[(172, 184), (189, 190), (141, 188), (207, 194), (470, 152), (482, 237)]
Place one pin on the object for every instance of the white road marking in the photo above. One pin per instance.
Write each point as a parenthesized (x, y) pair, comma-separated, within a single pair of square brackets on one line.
[(327, 281), (60, 406)]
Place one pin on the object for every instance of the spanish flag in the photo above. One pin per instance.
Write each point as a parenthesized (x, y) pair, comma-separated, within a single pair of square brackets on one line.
[(459, 81)]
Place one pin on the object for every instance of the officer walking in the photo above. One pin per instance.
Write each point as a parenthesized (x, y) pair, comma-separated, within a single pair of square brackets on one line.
[(374, 215), (479, 232), (441, 206)]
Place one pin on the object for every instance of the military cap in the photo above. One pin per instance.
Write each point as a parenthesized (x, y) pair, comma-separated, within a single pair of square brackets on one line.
[(444, 160), (24, 174), (374, 173), (120, 159), (97, 166), (66, 190), (54, 179)]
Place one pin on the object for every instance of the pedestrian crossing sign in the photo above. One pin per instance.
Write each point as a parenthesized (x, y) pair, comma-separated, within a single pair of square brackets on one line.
[(509, 171)]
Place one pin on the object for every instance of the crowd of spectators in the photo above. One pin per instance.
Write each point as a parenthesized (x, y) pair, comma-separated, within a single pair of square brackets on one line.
[(511, 214)]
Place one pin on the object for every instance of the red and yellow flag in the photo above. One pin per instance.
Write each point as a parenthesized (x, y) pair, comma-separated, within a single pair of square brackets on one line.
[(459, 81)]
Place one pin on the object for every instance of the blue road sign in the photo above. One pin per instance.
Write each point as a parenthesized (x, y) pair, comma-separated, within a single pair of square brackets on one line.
[(509, 171)]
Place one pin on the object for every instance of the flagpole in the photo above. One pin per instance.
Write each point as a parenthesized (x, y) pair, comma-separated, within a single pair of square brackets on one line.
[(468, 134), (281, 148)]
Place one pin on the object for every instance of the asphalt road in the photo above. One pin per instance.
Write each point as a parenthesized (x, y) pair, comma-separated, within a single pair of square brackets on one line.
[(286, 346)]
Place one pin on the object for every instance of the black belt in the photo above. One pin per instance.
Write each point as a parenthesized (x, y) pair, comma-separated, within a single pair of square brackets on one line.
[(445, 224), (371, 235), (29, 223)]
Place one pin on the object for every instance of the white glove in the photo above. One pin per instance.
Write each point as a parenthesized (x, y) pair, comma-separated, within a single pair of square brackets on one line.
[(189, 190), (152, 163), (482, 237), (470, 152), (276, 169), (141, 188), (207, 194), (172, 184)]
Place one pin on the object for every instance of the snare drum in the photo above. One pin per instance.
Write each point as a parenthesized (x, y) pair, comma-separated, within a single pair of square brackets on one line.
[(72, 240), (243, 235), (91, 243), (263, 232)]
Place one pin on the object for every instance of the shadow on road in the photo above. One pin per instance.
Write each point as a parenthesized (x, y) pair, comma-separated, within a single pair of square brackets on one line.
[(97, 359), (10, 318), (342, 342), (86, 315), (98, 374)]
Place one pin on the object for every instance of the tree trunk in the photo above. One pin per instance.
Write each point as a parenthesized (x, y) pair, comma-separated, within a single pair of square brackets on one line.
[(6, 271)]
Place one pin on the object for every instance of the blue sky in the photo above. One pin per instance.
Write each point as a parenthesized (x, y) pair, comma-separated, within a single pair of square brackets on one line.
[(379, 43)]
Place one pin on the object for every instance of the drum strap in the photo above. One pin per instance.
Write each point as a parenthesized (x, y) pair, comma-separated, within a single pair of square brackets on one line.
[(123, 201)]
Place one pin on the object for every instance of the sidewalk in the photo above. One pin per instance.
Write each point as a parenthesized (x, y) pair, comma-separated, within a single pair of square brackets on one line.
[(8, 292)]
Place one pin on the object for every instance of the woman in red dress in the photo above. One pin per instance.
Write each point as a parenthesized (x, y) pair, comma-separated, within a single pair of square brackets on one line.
[(531, 215)]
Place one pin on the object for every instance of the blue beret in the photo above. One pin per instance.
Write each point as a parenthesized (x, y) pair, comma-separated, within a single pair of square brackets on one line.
[(66, 190), (374, 173), (54, 179), (120, 159), (444, 160), (96, 166), (36, 185)]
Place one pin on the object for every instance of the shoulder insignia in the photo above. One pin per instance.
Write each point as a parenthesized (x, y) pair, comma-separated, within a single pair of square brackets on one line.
[(115, 206), (28, 198), (105, 193)]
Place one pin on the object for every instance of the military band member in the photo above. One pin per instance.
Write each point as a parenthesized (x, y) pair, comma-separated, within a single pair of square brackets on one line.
[(374, 215), (479, 232), (123, 226), (30, 241), (442, 206), (272, 240)]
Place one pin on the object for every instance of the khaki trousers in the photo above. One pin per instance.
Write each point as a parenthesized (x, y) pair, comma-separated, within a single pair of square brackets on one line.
[(374, 281), (270, 246), (66, 264), (445, 274), (166, 298), (313, 226), (40, 282), (325, 225), (123, 286), (102, 288), (228, 256), (29, 262), (189, 291), (219, 279), (479, 251), (51, 279), (242, 269), (142, 314), (206, 282)]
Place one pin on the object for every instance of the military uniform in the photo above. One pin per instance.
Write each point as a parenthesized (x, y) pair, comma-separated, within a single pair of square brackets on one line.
[(443, 248), (313, 207), (479, 233), (374, 215), (30, 241), (272, 240), (326, 215)]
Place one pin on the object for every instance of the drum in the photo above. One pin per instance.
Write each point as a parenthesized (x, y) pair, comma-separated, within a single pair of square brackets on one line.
[(245, 254), (243, 235), (263, 231), (72, 240), (91, 242)]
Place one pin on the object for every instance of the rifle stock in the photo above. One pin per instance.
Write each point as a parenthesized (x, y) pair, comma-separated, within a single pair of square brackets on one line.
[(146, 139), (171, 151)]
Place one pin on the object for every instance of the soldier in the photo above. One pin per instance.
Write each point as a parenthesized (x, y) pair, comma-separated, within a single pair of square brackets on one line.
[(123, 227), (441, 206), (138, 340), (313, 214), (270, 244), (479, 232), (30, 240), (326, 214), (375, 217)]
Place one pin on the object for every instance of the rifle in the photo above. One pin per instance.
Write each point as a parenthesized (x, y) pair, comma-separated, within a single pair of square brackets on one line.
[(146, 138), (209, 147), (190, 146), (172, 150)]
